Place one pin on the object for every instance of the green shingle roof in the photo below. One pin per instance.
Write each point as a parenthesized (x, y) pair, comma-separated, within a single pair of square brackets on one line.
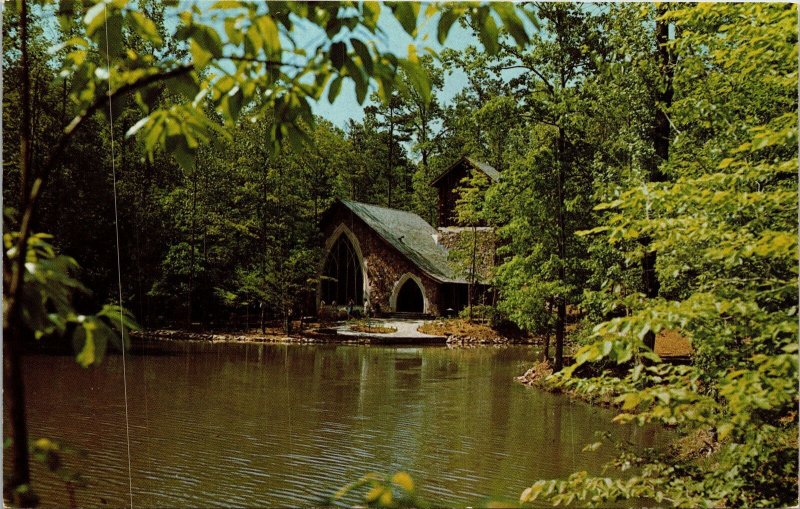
[(489, 170), (409, 234)]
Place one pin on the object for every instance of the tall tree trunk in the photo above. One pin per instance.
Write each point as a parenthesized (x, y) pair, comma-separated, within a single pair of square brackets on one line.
[(139, 277), (191, 257), (25, 128), (548, 331), (144, 199), (206, 295), (14, 391), (473, 275), (264, 247), (390, 158), (561, 306), (287, 320), (661, 141), (283, 254), (561, 300), (13, 329)]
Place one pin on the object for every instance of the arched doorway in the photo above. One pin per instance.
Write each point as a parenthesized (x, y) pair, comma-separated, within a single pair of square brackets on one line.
[(342, 277), (410, 298)]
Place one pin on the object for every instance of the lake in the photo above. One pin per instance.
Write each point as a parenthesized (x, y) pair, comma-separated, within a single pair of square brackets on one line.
[(282, 425)]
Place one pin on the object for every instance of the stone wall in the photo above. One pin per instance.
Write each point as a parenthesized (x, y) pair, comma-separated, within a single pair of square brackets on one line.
[(384, 264)]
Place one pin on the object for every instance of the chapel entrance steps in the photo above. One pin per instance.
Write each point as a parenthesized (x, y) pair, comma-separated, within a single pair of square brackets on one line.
[(408, 315)]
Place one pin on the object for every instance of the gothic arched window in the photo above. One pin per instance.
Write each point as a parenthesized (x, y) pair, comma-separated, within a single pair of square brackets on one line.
[(342, 277)]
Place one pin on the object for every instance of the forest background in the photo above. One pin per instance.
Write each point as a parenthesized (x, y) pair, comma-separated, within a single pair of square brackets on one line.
[(648, 158)]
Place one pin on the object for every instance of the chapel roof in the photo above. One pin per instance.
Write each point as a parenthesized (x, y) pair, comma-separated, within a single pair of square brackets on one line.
[(411, 235), (489, 170)]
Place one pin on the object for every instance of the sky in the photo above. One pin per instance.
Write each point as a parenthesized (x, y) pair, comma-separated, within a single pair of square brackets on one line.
[(396, 39)]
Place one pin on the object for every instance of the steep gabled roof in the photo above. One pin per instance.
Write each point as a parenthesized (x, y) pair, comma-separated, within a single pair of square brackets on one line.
[(489, 170), (411, 235)]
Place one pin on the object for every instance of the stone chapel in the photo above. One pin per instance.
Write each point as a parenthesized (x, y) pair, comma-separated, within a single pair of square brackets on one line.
[(394, 259)]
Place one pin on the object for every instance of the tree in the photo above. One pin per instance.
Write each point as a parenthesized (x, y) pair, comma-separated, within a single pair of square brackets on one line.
[(390, 120), (545, 193), (661, 142), (468, 128), (423, 124), (623, 111), (726, 232), (470, 212)]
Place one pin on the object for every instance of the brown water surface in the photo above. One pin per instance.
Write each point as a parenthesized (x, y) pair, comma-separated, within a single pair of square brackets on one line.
[(283, 425)]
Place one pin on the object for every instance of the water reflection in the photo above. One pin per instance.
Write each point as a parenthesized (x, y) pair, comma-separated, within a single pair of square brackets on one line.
[(258, 425)]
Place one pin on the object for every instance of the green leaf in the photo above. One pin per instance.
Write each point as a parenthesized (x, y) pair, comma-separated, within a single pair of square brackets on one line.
[(412, 54), (407, 13), (270, 34), (446, 21), (359, 79), (511, 21), (418, 77), (372, 11), (403, 480), (102, 336), (253, 41), (233, 102), (110, 37), (184, 85), (362, 51), (334, 89), (94, 18), (338, 52), (487, 34), (84, 343), (725, 163), (592, 447), (651, 356), (723, 430), (200, 56), (531, 15), (75, 42), (177, 145), (629, 401), (206, 39), (145, 27), (234, 33), (147, 98)]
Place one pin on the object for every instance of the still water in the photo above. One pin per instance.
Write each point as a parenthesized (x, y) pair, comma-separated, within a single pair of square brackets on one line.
[(282, 425)]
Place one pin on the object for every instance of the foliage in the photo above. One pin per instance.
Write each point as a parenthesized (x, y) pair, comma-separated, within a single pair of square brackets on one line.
[(220, 213), (218, 64), (528, 278), (251, 61), (396, 490), (371, 327), (545, 193), (179, 88), (489, 314), (726, 230), (48, 308), (52, 454), (470, 213), (251, 241)]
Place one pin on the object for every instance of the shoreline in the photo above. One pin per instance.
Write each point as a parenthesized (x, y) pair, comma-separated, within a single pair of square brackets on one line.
[(313, 336)]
